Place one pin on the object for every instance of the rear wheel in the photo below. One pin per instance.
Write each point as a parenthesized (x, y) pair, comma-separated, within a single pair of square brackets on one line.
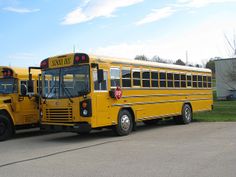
[(186, 116), (125, 123), (6, 129)]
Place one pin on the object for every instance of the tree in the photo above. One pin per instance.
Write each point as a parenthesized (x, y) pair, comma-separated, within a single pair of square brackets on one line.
[(158, 59), (141, 57), (179, 62), (198, 65), (211, 65), (231, 44)]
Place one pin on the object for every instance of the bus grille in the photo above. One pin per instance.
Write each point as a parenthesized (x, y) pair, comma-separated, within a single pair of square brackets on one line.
[(59, 114)]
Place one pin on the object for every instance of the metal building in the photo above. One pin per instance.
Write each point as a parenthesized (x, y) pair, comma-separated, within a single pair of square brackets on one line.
[(226, 78)]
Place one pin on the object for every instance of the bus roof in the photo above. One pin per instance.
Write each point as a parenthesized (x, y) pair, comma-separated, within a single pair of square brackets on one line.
[(112, 60), (146, 63)]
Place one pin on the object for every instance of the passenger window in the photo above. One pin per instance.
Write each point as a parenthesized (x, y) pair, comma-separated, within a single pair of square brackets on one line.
[(189, 81), (194, 81), (183, 80), (30, 89), (126, 78), (154, 75), (209, 82), (99, 86), (200, 81), (204, 81), (136, 78), (162, 79), (115, 77), (169, 79), (146, 79), (177, 80)]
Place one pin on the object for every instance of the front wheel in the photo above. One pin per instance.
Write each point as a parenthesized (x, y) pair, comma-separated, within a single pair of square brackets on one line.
[(6, 129), (125, 123)]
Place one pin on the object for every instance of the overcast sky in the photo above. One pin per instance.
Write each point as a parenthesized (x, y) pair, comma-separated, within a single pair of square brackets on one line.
[(31, 31)]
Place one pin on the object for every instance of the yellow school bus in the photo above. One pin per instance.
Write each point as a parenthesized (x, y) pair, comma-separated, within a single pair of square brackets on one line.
[(83, 92), (18, 103)]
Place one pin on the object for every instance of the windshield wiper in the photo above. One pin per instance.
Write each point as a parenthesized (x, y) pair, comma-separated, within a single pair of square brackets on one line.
[(49, 93), (68, 93)]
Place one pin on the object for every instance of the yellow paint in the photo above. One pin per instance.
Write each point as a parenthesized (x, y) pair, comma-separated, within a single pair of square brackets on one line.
[(61, 62), (23, 110), (146, 103)]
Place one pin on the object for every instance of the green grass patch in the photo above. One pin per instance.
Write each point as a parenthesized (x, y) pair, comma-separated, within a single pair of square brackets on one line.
[(223, 111)]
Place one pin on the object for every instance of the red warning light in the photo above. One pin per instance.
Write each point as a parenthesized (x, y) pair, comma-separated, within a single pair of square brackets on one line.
[(83, 58), (7, 73), (77, 58), (44, 64)]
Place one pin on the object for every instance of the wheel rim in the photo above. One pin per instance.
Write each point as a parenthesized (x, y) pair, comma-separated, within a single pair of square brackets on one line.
[(125, 122), (2, 128), (188, 114)]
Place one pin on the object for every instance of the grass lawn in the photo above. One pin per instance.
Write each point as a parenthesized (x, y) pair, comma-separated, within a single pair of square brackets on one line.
[(223, 111)]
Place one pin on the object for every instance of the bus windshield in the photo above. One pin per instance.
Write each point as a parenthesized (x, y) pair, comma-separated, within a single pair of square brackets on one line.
[(66, 82), (8, 86)]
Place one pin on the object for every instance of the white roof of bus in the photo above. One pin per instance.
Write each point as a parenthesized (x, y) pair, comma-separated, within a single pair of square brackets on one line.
[(148, 63)]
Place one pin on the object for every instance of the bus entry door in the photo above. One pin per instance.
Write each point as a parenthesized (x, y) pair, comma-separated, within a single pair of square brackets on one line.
[(102, 105)]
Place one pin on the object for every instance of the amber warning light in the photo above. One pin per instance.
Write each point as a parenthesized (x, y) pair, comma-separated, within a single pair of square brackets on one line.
[(7, 73)]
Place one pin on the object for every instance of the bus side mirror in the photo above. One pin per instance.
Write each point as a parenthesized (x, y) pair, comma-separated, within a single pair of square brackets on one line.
[(30, 77), (100, 75), (23, 89)]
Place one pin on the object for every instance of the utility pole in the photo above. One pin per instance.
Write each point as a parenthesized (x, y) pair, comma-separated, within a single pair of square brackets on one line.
[(74, 48), (186, 54)]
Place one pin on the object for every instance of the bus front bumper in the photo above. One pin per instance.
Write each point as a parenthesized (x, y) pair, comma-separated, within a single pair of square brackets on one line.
[(78, 127)]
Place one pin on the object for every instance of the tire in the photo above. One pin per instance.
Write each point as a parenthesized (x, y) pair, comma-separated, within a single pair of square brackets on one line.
[(125, 123), (186, 116), (6, 128)]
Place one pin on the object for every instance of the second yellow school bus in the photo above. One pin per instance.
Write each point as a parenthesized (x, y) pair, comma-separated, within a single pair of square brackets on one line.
[(18, 100), (82, 92)]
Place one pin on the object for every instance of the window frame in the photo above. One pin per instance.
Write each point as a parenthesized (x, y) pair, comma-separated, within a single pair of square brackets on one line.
[(115, 68), (134, 78), (156, 80), (104, 71), (187, 80), (145, 79), (170, 81), (130, 78), (163, 80)]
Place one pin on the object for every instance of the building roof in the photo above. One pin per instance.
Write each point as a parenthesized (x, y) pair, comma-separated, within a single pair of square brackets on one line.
[(233, 58)]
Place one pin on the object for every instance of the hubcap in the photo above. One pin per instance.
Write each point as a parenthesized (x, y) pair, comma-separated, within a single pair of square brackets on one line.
[(188, 115), (125, 123)]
